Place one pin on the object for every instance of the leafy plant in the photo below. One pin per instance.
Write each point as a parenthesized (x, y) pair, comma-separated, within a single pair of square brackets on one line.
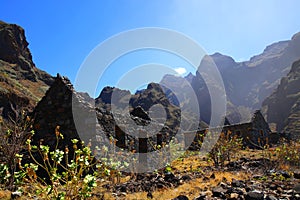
[(4, 173), (168, 168), (13, 133), (72, 180), (288, 153), (226, 147)]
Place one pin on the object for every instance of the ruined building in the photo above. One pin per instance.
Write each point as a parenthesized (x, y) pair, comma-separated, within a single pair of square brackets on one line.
[(254, 133)]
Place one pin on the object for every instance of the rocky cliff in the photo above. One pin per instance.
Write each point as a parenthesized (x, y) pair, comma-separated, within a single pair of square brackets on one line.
[(283, 106), (246, 83), (249, 83), (22, 85), (151, 103)]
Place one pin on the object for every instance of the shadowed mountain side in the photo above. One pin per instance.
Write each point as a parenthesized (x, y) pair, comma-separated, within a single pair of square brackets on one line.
[(282, 107), (247, 83)]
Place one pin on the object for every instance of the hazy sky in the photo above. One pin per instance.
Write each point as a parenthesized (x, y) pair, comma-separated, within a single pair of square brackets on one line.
[(62, 33)]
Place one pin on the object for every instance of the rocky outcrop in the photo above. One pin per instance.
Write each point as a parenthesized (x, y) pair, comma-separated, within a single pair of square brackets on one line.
[(292, 126), (14, 50), (22, 85), (14, 47), (145, 100), (155, 95), (118, 108), (113, 95), (282, 107)]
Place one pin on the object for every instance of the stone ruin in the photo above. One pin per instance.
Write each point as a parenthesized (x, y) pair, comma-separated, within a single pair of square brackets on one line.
[(95, 124), (255, 133), (55, 111)]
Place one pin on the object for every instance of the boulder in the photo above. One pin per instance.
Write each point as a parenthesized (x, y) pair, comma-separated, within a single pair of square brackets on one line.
[(181, 197), (254, 195)]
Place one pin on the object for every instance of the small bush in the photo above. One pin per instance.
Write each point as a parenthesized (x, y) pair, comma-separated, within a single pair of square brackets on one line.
[(69, 181), (226, 147), (288, 153), (13, 133)]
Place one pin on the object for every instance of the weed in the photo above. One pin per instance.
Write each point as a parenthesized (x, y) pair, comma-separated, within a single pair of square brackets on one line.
[(13, 133), (72, 180), (226, 147), (288, 153)]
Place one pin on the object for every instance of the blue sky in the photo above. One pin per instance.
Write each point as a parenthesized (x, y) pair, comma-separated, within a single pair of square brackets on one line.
[(62, 33)]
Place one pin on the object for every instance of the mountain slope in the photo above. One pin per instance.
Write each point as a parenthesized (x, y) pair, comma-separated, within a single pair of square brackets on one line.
[(283, 106), (21, 83), (247, 83)]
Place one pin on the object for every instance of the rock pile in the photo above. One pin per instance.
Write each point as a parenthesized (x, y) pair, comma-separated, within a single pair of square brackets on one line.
[(255, 190), (270, 185), (151, 182)]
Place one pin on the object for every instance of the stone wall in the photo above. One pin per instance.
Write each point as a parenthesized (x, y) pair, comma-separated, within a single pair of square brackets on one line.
[(55, 110), (255, 133)]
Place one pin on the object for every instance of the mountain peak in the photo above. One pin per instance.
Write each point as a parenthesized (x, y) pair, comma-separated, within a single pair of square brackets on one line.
[(14, 46), (22, 84), (189, 77), (218, 55), (223, 61), (270, 51), (296, 36), (154, 86)]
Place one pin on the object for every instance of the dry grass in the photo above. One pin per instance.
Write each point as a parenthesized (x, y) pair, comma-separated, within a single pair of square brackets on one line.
[(9, 81), (193, 188), (5, 195), (190, 163)]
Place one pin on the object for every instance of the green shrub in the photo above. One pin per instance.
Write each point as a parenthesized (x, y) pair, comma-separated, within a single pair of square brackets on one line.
[(288, 153), (226, 147), (72, 182)]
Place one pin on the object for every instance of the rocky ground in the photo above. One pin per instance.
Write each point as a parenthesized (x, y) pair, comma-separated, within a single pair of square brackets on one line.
[(191, 177), (242, 179)]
